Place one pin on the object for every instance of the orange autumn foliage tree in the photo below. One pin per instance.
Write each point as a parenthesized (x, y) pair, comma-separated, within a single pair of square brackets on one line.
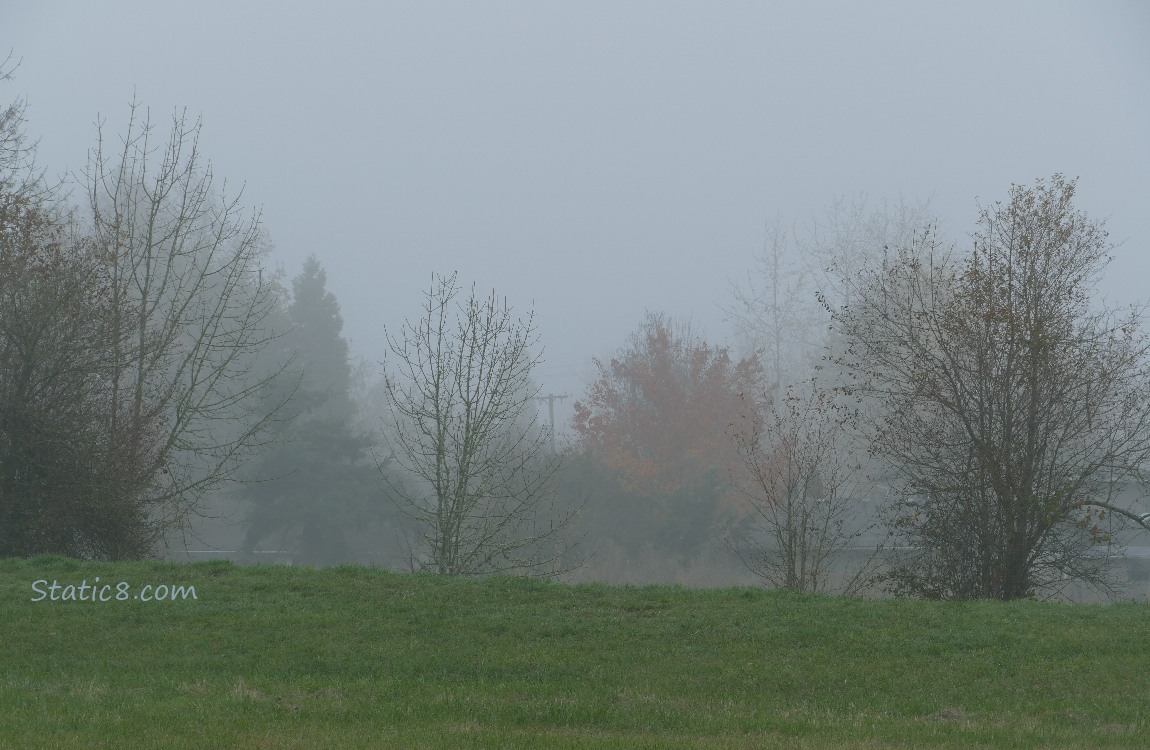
[(661, 413)]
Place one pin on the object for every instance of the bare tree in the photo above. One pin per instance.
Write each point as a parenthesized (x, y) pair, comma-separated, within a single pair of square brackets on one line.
[(464, 430), (183, 263), (806, 486), (1011, 407)]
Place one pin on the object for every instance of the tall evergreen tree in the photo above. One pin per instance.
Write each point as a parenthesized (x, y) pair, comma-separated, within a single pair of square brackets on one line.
[(315, 486)]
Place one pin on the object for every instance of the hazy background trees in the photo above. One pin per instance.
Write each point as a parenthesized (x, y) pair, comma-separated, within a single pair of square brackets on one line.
[(654, 445), (806, 472), (782, 309), (313, 491), (147, 360)]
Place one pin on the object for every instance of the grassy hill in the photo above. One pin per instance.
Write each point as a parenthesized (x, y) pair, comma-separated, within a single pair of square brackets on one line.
[(274, 657)]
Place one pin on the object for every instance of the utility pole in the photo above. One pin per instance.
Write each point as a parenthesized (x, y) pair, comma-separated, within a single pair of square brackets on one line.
[(551, 398)]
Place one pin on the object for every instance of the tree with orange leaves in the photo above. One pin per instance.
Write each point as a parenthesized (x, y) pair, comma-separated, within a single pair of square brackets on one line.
[(659, 416)]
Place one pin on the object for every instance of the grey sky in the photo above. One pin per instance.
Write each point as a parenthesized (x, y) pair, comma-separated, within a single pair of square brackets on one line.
[(601, 159)]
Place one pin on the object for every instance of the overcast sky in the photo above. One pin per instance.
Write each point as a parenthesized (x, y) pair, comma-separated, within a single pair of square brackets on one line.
[(600, 159)]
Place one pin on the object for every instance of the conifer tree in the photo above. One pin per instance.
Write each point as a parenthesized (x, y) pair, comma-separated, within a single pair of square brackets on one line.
[(315, 486)]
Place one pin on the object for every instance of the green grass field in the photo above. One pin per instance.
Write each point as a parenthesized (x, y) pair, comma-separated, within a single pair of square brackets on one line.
[(274, 657)]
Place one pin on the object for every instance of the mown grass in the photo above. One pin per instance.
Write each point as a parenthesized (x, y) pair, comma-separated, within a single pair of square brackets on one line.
[(273, 657)]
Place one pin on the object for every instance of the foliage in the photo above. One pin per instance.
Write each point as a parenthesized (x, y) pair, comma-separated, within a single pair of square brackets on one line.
[(464, 431), (127, 338), (352, 657), (659, 413), (657, 420), (653, 534), (1011, 407), (65, 485)]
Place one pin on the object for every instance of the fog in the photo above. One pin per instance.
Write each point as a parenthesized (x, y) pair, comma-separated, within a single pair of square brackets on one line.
[(598, 160)]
